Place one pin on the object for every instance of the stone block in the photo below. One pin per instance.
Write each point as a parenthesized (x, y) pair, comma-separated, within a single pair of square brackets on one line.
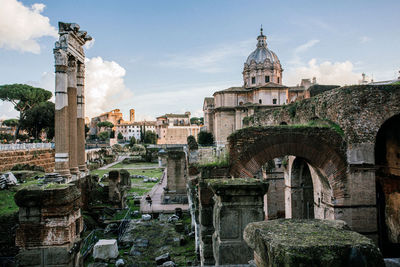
[(294, 242), (105, 249)]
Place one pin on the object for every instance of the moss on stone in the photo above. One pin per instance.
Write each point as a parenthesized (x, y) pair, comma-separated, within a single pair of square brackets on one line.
[(291, 242)]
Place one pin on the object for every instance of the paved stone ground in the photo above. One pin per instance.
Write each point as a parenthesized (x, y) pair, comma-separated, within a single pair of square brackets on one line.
[(157, 206)]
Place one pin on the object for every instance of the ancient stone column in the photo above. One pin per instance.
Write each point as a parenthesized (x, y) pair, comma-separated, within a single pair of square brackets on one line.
[(61, 114), (81, 117), (72, 116)]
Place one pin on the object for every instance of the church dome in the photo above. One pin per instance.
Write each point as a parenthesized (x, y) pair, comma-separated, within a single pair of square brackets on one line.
[(262, 53)]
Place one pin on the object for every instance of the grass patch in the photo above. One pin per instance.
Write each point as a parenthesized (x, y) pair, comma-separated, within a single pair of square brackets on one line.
[(156, 172), (7, 203), (134, 165)]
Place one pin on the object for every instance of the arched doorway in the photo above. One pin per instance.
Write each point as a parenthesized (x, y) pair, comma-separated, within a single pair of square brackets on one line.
[(299, 191), (387, 160)]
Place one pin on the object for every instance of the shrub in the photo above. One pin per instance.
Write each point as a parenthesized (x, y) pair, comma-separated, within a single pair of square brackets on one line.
[(192, 144), (206, 138)]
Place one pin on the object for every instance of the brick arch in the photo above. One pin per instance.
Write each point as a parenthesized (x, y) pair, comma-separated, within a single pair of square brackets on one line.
[(322, 147)]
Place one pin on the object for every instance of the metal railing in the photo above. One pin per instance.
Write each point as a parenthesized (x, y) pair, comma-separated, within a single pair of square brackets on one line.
[(89, 242), (124, 224), (26, 146)]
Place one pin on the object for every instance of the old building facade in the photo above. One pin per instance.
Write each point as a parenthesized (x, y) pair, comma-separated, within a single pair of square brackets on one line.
[(262, 89), (173, 129), (134, 129)]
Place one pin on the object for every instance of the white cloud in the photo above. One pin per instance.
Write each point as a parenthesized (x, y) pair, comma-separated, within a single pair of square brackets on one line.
[(327, 72), (21, 26), (306, 46), (175, 99), (104, 86), (47, 81), (296, 59), (210, 61), (365, 39)]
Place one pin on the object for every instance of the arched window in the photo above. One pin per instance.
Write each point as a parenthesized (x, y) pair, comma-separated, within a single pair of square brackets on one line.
[(260, 101), (274, 101)]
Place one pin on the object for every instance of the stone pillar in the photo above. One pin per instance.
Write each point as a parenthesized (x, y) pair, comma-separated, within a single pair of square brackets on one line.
[(50, 224), (61, 114), (80, 77), (206, 204), (68, 52), (238, 202), (176, 177), (72, 116)]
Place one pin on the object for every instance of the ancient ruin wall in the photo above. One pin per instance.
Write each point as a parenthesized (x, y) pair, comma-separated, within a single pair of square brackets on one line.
[(38, 157), (358, 110)]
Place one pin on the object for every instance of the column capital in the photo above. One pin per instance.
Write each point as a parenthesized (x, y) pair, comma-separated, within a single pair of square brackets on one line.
[(61, 60)]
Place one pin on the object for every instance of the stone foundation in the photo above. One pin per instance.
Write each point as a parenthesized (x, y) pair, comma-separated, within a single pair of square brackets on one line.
[(50, 224)]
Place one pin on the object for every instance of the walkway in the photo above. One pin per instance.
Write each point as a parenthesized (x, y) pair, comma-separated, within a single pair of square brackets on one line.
[(157, 206), (120, 158)]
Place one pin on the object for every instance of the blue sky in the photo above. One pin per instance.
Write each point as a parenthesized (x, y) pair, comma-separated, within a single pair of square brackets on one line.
[(166, 56)]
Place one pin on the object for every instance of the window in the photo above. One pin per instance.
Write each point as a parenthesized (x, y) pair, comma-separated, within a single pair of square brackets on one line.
[(278, 79), (267, 79), (253, 80), (240, 103), (260, 101), (274, 101)]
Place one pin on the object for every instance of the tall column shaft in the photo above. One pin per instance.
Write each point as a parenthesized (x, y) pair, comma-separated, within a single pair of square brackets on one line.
[(61, 115), (72, 116), (81, 117)]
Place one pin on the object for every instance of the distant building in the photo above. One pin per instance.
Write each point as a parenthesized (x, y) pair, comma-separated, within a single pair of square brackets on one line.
[(397, 81), (262, 89), (131, 115), (134, 129), (175, 128)]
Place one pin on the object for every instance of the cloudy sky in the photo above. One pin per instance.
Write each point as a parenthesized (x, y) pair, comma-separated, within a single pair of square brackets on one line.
[(166, 56)]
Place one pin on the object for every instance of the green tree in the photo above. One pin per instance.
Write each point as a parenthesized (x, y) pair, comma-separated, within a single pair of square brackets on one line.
[(120, 136), (23, 97), (11, 122), (205, 138), (196, 120), (132, 141), (39, 118), (103, 135), (150, 137), (191, 141), (105, 124)]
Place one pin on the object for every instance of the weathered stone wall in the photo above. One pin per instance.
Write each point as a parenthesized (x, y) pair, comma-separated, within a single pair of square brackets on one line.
[(39, 157), (358, 110)]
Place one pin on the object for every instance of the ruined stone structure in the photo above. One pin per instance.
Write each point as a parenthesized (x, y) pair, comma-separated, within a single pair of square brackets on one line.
[(70, 101), (262, 89), (50, 224), (344, 157), (35, 157), (175, 191), (237, 203), (310, 243)]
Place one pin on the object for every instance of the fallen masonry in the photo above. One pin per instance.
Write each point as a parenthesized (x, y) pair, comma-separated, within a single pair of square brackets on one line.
[(294, 242)]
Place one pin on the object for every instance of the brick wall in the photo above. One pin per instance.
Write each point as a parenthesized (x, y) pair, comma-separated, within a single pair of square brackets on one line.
[(38, 157)]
